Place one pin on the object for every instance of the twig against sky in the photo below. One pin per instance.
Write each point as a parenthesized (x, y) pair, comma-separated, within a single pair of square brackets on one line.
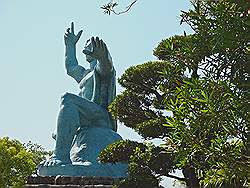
[(110, 7)]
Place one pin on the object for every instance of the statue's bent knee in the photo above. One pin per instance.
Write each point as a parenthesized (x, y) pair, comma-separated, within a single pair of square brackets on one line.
[(66, 98)]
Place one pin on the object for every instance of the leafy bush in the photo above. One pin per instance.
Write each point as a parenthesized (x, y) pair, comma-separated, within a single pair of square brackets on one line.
[(16, 164)]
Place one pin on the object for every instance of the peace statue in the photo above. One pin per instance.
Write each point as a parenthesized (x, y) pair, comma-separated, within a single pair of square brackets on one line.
[(84, 126)]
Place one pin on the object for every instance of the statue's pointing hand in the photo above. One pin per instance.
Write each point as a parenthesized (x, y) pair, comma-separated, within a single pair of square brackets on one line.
[(99, 49), (70, 38)]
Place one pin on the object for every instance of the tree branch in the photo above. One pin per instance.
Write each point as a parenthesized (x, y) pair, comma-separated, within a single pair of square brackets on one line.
[(109, 8), (127, 8), (176, 177)]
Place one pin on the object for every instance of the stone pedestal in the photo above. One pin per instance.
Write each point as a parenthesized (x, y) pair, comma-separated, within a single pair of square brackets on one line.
[(70, 182), (118, 170)]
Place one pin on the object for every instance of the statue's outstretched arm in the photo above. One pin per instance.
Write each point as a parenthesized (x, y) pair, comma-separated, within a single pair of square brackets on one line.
[(101, 53), (73, 69)]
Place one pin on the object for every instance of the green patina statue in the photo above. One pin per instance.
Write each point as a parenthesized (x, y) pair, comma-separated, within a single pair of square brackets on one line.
[(84, 126)]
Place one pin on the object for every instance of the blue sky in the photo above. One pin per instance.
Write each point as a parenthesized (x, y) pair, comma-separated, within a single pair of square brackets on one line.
[(32, 74)]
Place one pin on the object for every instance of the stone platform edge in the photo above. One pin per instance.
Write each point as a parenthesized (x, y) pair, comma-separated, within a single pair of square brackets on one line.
[(70, 181)]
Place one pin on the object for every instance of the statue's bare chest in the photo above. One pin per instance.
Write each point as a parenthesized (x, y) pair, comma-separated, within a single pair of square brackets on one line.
[(86, 86)]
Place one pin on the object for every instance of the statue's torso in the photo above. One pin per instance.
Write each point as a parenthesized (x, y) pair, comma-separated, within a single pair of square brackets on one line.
[(88, 91), (86, 86)]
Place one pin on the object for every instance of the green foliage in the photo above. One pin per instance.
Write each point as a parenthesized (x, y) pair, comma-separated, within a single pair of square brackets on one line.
[(142, 159), (140, 106), (138, 157), (16, 163), (230, 167), (210, 127), (38, 152), (120, 151), (219, 46), (204, 115), (178, 48)]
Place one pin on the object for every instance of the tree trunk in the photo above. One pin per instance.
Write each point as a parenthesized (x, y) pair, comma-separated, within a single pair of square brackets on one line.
[(191, 178)]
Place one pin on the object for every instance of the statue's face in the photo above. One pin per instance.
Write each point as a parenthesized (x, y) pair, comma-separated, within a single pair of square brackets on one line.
[(87, 50)]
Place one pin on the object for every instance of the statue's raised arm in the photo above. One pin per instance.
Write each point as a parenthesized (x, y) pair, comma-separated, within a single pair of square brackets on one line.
[(73, 69)]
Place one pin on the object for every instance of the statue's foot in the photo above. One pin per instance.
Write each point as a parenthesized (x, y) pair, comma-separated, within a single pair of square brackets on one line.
[(56, 161)]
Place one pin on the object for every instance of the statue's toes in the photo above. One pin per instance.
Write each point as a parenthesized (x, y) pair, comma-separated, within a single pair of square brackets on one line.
[(50, 162), (46, 163), (54, 162)]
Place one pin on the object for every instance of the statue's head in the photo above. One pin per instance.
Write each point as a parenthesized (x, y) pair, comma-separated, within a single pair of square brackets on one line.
[(88, 48)]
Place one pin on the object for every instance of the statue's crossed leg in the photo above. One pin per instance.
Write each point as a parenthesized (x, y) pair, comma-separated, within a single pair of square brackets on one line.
[(75, 112)]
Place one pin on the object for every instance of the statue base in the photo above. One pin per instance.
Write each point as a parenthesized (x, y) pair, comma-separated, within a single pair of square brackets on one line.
[(67, 181), (118, 170)]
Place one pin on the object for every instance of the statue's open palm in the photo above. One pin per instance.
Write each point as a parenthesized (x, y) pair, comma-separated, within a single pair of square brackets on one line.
[(70, 38)]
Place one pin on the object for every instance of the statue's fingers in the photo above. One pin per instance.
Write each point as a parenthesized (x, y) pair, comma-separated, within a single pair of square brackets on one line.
[(72, 27), (105, 49), (68, 30), (102, 44), (98, 42), (93, 42), (79, 34)]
